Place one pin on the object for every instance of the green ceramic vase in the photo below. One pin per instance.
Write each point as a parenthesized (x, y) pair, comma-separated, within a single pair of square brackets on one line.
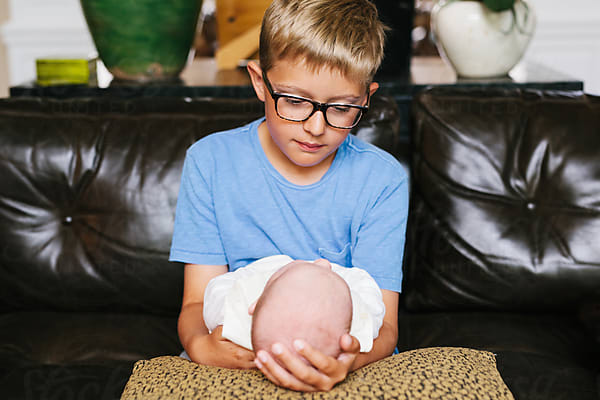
[(143, 40)]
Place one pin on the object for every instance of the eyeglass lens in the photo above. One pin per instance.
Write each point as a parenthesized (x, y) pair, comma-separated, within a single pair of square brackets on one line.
[(340, 116)]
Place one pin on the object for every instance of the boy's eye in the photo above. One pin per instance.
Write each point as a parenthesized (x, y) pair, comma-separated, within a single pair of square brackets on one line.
[(294, 102), (341, 109)]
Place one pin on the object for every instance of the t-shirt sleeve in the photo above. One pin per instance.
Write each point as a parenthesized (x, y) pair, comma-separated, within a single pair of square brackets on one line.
[(379, 245), (196, 238)]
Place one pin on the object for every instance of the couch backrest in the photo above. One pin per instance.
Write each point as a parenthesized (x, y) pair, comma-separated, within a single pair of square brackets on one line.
[(505, 207), (88, 189)]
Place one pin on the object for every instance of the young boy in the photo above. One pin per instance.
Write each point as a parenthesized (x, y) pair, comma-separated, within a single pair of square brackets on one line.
[(296, 183), (229, 297)]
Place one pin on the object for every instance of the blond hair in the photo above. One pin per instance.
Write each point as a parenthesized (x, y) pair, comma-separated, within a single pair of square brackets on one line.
[(346, 35)]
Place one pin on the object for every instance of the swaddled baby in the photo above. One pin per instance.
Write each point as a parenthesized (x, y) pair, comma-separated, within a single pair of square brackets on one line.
[(318, 307)]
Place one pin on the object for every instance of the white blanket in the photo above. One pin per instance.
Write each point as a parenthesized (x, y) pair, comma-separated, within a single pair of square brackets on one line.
[(228, 296)]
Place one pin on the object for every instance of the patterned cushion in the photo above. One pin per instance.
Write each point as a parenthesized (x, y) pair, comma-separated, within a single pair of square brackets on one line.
[(432, 373)]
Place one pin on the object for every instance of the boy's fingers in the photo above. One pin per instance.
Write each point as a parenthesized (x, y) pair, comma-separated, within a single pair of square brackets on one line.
[(239, 356), (319, 360), (266, 371), (349, 343), (331, 370), (298, 368), (214, 350), (278, 375), (325, 371), (246, 358)]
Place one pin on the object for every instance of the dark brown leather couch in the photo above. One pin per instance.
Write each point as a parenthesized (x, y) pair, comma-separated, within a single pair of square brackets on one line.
[(502, 251), (503, 248)]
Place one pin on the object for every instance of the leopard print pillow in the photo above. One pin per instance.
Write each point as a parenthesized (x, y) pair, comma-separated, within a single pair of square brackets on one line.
[(431, 373)]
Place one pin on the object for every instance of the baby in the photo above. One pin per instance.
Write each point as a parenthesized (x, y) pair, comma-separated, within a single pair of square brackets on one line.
[(303, 300), (276, 299)]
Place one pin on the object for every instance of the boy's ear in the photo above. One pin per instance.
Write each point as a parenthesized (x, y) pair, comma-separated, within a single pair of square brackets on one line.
[(373, 88), (258, 84)]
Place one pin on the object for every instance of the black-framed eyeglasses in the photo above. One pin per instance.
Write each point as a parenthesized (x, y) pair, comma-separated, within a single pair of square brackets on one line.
[(299, 109)]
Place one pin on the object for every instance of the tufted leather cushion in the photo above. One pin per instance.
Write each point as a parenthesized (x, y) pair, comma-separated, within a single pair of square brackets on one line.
[(505, 212), (88, 189), (88, 195)]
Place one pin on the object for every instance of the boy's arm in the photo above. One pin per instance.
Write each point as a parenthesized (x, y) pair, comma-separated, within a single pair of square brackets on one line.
[(202, 347)]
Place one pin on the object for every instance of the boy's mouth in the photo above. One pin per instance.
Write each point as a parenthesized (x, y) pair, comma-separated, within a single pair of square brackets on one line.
[(310, 147)]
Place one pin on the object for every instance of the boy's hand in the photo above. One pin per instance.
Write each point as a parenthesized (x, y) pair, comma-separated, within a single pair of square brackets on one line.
[(324, 373), (214, 349)]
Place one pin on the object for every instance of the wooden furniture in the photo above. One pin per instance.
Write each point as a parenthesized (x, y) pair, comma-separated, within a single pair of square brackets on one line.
[(238, 30)]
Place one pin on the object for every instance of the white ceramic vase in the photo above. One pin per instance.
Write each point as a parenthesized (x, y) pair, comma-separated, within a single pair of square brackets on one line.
[(478, 42)]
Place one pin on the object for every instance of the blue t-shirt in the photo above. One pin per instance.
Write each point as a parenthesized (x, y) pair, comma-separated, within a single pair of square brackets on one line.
[(234, 207)]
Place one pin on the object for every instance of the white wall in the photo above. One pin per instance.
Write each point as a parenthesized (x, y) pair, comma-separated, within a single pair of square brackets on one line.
[(567, 37), (43, 28), (4, 13)]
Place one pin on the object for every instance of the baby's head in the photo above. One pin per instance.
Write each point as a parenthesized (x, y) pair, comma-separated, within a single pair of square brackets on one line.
[(303, 300), (344, 35)]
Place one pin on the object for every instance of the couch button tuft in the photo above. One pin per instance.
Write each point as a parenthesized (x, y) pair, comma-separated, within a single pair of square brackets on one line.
[(67, 220)]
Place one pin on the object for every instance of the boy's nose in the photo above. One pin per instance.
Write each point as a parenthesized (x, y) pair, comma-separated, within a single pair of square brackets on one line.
[(316, 124)]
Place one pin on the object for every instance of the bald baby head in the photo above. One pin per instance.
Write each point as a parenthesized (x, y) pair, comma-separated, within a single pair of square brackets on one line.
[(303, 300)]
